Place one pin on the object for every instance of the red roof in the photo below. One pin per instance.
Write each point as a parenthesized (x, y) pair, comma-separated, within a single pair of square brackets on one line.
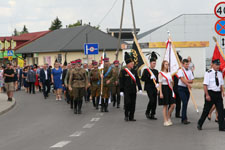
[(24, 39)]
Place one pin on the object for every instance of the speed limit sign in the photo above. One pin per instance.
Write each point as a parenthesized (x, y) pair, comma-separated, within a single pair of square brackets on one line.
[(219, 10)]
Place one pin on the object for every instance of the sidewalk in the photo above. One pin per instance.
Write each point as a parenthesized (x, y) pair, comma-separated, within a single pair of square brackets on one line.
[(5, 105)]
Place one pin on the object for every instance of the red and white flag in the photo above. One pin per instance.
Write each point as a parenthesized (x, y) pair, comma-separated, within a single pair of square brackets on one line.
[(170, 56), (219, 55)]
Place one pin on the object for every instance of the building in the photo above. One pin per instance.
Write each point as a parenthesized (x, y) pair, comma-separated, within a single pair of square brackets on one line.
[(192, 35), (68, 44)]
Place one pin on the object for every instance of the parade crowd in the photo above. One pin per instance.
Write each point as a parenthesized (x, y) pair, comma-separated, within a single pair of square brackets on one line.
[(76, 82)]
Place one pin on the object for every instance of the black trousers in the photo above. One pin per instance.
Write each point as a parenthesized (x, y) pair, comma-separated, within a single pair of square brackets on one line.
[(152, 104), (178, 103), (46, 88), (116, 95), (130, 104), (31, 87), (216, 98)]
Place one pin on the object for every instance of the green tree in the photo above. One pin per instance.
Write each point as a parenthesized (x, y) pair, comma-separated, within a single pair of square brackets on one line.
[(78, 23), (25, 30), (15, 32), (56, 24)]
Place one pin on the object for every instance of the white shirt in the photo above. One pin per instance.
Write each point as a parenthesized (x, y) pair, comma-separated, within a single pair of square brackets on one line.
[(163, 79), (46, 74), (210, 80), (181, 74)]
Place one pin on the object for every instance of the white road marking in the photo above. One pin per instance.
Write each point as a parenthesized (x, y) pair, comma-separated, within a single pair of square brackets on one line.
[(78, 133), (60, 144), (99, 114), (95, 119), (88, 126)]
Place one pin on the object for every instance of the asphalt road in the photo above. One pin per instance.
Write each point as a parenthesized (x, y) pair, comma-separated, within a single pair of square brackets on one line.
[(39, 124)]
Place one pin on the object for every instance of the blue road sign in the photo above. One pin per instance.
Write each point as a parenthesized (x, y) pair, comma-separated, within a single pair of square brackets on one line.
[(10, 53), (220, 27), (91, 49)]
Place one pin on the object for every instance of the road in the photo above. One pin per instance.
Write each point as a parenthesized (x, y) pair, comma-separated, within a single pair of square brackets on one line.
[(39, 124)]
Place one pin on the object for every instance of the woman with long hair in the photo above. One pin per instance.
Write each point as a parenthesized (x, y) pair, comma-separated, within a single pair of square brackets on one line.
[(57, 80), (166, 97)]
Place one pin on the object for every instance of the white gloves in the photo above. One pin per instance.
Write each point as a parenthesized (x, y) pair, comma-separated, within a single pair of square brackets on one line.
[(157, 85), (121, 93), (140, 91), (153, 77)]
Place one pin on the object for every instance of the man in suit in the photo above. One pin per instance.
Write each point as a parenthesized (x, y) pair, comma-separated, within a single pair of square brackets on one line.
[(20, 72), (45, 79)]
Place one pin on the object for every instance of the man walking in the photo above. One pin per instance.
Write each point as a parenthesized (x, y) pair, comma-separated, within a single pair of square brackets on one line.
[(45, 79), (9, 79)]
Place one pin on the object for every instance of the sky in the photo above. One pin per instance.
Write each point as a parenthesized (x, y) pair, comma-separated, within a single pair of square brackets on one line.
[(37, 15)]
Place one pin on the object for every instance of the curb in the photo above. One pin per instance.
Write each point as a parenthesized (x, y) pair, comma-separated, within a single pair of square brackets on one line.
[(9, 108)]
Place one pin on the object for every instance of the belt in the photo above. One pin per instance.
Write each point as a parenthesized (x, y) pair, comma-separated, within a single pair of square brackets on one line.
[(79, 80)]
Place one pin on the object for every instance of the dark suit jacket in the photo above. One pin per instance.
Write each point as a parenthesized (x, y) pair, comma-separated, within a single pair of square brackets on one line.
[(127, 85), (42, 76), (64, 75), (146, 77)]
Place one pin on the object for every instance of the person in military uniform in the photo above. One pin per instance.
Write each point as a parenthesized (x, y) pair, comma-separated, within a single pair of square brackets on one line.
[(151, 81), (115, 84), (107, 77), (66, 82), (95, 77), (128, 81), (214, 92), (78, 83)]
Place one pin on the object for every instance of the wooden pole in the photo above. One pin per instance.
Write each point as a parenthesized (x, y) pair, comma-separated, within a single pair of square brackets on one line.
[(178, 60), (121, 24), (133, 18)]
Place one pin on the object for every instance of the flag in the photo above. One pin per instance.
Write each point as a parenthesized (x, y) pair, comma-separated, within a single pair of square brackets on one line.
[(170, 56), (102, 62), (13, 44), (219, 55), (136, 56)]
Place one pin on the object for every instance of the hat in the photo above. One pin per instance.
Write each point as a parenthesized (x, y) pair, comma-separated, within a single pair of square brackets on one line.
[(73, 62), (106, 59), (94, 63), (127, 58), (116, 62), (78, 61), (216, 61)]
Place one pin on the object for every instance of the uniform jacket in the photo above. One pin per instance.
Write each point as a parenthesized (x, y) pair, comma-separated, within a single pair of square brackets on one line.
[(146, 77), (108, 77), (78, 78), (95, 77), (127, 85), (115, 74)]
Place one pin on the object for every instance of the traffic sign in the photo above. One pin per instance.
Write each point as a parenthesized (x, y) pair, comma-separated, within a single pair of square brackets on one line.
[(219, 10), (91, 49), (220, 27), (10, 53)]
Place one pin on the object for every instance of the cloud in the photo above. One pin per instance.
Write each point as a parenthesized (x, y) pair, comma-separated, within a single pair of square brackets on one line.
[(12, 3)]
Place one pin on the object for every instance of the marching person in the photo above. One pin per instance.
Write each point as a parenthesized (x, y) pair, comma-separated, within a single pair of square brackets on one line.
[(45, 80), (214, 92), (78, 83), (66, 83), (65, 69), (166, 96), (184, 85), (95, 77), (150, 87), (107, 77), (128, 82), (115, 84)]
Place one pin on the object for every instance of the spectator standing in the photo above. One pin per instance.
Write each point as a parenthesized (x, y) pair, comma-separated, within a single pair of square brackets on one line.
[(24, 76), (9, 79), (31, 78)]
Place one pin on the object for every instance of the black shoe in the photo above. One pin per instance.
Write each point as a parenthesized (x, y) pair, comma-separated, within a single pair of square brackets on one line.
[(223, 129), (209, 118), (132, 120), (186, 122), (79, 112), (102, 110), (45, 97), (199, 127), (75, 111), (216, 121), (9, 99), (126, 119), (178, 116), (153, 117), (118, 106), (96, 107), (147, 116)]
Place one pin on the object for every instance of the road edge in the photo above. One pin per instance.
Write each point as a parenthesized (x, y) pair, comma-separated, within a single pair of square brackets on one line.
[(9, 108)]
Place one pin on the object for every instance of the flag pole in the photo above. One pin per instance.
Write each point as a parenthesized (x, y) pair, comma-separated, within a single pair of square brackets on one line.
[(102, 71), (178, 60), (142, 56), (217, 44)]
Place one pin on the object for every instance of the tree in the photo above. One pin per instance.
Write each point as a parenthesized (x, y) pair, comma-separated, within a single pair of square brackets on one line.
[(25, 30), (15, 32), (56, 24), (78, 23)]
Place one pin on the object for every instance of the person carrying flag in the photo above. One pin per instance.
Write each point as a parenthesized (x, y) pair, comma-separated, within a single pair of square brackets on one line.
[(128, 81), (184, 84)]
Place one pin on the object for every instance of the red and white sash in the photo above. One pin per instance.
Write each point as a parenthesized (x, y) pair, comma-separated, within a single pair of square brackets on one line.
[(167, 80), (151, 73), (130, 74), (185, 74)]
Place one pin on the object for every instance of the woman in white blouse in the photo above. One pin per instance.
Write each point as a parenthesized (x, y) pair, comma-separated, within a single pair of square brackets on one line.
[(166, 97)]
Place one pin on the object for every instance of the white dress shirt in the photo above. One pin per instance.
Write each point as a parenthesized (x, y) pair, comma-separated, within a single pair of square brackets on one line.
[(181, 74), (210, 80)]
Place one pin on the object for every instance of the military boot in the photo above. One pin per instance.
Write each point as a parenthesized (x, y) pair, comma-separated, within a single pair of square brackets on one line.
[(75, 106), (97, 102)]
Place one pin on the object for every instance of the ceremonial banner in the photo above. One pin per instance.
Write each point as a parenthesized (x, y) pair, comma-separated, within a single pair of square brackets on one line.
[(219, 55), (137, 58)]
